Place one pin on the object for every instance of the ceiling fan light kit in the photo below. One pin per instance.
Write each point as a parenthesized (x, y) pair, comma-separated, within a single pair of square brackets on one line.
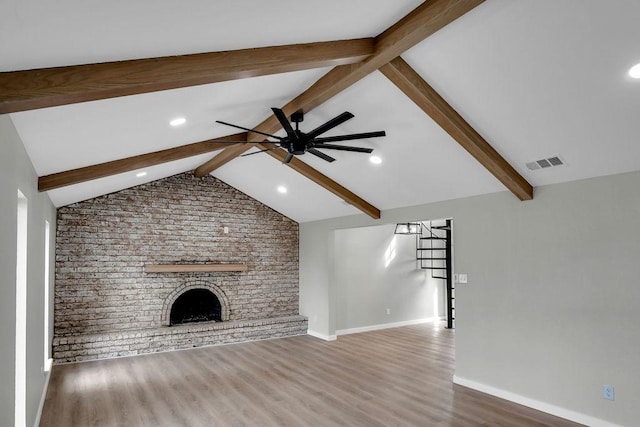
[(298, 142)]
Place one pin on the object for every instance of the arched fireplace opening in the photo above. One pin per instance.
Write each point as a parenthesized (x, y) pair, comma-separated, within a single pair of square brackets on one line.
[(196, 305)]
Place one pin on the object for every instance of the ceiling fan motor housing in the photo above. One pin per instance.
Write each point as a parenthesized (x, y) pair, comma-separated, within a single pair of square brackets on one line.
[(297, 147)]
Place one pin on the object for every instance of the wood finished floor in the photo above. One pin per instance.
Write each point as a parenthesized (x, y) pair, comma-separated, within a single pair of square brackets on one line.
[(393, 377)]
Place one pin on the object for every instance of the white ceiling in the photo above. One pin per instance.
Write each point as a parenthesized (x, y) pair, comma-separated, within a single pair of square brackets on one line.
[(37, 34), (536, 78)]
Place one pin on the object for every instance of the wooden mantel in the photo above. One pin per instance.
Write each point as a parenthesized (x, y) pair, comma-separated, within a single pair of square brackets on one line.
[(191, 268)]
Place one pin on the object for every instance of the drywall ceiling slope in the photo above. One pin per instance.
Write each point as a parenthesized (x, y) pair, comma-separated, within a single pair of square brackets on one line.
[(534, 78), (76, 135), (542, 78), (71, 32)]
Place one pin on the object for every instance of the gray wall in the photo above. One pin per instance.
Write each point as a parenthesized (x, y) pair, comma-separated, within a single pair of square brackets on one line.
[(551, 308), (16, 172), (375, 270)]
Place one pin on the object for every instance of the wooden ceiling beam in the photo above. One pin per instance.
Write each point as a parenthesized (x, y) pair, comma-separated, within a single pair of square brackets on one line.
[(48, 87), (322, 180), (102, 170), (409, 81), (419, 24)]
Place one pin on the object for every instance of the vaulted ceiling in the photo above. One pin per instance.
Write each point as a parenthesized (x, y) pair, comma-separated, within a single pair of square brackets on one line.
[(467, 91)]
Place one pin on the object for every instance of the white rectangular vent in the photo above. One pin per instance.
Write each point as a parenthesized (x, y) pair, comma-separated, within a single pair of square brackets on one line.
[(545, 163)]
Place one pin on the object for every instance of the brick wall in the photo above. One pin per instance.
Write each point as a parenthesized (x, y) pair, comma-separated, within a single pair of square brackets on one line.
[(103, 244)]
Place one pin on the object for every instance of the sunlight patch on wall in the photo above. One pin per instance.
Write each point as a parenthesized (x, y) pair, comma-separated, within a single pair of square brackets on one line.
[(390, 253)]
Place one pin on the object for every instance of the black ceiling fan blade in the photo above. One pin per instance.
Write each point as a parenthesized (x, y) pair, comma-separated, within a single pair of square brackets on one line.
[(258, 152), (288, 158), (344, 148), (321, 155), (248, 130), (282, 118), (349, 137), (330, 124)]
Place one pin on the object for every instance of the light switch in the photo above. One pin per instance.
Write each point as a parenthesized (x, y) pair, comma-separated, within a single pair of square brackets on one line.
[(462, 278), (226, 230)]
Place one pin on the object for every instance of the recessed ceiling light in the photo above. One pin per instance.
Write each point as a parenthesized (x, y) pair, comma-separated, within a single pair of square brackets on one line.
[(635, 71), (282, 189), (141, 174), (375, 160), (178, 121)]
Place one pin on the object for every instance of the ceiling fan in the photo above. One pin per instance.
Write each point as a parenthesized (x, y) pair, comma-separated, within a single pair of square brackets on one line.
[(297, 142)]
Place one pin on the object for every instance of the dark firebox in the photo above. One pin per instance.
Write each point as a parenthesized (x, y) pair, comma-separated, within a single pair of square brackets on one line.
[(195, 305)]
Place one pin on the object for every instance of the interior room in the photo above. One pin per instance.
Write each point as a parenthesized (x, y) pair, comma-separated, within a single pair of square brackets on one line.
[(330, 213)]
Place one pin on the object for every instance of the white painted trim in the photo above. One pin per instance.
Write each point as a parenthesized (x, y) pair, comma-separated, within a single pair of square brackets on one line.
[(43, 397), (321, 336), (385, 326), (535, 404)]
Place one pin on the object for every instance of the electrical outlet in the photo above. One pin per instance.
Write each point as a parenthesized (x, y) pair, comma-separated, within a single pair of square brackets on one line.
[(608, 392), (462, 278), (225, 230), (388, 311)]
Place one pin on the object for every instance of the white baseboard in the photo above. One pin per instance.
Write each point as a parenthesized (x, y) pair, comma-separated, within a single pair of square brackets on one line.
[(535, 404), (44, 394), (385, 326), (321, 336)]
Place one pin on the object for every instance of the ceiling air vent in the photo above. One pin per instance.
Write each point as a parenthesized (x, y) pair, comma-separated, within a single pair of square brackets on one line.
[(545, 163)]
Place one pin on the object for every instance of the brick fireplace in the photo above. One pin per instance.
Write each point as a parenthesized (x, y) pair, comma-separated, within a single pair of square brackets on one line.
[(106, 305)]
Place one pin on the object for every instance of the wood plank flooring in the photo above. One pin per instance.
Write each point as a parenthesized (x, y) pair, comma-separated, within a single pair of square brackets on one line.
[(392, 377)]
